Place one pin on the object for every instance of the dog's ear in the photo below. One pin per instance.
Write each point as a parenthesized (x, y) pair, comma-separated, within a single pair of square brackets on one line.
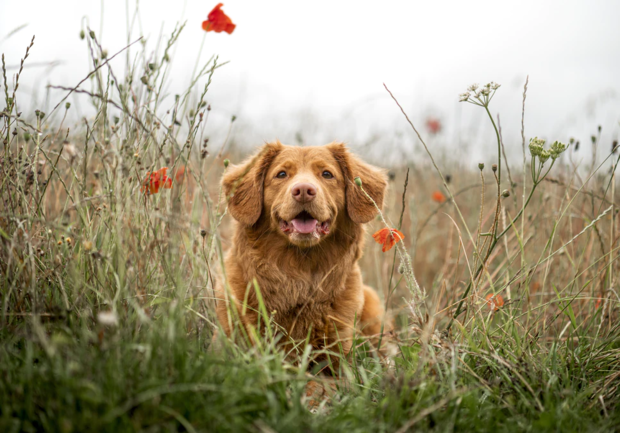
[(359, 207), (243, 184)]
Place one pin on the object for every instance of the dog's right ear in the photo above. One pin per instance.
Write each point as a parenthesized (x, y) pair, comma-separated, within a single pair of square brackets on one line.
[(243, 184)]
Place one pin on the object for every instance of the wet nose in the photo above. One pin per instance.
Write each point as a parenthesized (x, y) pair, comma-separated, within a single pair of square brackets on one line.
[(303, 192)]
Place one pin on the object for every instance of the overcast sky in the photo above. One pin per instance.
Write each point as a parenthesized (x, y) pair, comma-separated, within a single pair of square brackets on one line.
[(318, 67)]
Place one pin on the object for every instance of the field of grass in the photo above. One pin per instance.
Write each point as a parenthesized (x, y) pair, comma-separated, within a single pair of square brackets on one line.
[(503, 294)]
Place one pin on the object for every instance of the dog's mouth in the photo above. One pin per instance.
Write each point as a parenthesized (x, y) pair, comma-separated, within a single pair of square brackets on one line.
[(305, 224)]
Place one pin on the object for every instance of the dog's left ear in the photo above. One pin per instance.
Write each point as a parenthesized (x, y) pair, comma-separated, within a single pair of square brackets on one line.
[(243, 184), (360, 209)]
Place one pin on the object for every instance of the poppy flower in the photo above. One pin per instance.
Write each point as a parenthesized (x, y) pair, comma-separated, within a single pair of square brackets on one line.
[(156, 180), (599, 301), (438, 197), (495, 302), (217, 21), (433, 125), (388, 237)]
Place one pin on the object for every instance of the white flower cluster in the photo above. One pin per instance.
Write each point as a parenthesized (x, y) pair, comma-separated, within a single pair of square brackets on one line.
[(479, 95)]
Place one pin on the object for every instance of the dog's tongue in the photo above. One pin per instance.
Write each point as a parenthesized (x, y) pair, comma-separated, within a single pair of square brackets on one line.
[(304, 225)]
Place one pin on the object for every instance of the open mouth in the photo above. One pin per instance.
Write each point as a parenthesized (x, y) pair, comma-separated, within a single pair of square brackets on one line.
[(305, 224)]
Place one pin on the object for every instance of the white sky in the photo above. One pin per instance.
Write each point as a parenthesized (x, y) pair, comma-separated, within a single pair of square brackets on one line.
[(318, 67)]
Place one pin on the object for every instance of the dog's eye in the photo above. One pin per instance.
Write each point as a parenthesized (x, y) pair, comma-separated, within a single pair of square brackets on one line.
[(281, 175), (328, 175)]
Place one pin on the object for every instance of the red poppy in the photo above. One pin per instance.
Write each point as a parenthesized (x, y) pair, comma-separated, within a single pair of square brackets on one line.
[(156, 180), (388, 237), (599, 301), (217, 21), (495, 302), (433, 125), (438, 197)]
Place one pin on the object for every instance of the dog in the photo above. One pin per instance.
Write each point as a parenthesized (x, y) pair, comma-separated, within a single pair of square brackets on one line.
[(298, 236)]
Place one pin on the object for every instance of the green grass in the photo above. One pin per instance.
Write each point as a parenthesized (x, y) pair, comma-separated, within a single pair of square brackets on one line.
[(107, 293)]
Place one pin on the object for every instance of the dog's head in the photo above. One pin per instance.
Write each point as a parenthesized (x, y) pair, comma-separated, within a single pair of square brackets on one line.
[(303, 193)]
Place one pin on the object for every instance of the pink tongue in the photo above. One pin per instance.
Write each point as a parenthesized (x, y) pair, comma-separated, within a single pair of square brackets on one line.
[(304, 226)]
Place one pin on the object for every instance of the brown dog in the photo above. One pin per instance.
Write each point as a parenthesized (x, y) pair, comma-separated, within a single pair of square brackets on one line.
[(299, 235)]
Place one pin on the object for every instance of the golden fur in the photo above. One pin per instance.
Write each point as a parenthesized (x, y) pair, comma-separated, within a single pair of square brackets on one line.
[(310, 282)]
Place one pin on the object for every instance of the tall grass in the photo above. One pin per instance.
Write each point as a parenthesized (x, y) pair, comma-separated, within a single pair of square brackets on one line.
[(107, 285)]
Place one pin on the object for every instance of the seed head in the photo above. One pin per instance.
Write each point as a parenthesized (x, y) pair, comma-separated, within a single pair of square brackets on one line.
[(505, 193), (464, 97), (203, 232), (537, 145), (557, 148), (494, 168), (481, 166)]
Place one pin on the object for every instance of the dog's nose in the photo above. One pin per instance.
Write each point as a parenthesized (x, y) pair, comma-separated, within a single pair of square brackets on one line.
[(303, 192)]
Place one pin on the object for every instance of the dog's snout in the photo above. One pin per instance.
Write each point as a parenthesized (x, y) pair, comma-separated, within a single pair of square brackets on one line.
[(303, 192)]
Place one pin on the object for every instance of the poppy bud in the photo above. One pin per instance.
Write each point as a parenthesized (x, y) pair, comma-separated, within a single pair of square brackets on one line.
[(614, 146), (358, 181), (82, 34), (203, 232), (599, 128), (26, 136), (104, 54), (505, 193), (571, 140), (67, 105), (152, 66), (144, 79), (226, 162), (91, 34), (593, 138), (233, 118), (481, 166), (494, 168)]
